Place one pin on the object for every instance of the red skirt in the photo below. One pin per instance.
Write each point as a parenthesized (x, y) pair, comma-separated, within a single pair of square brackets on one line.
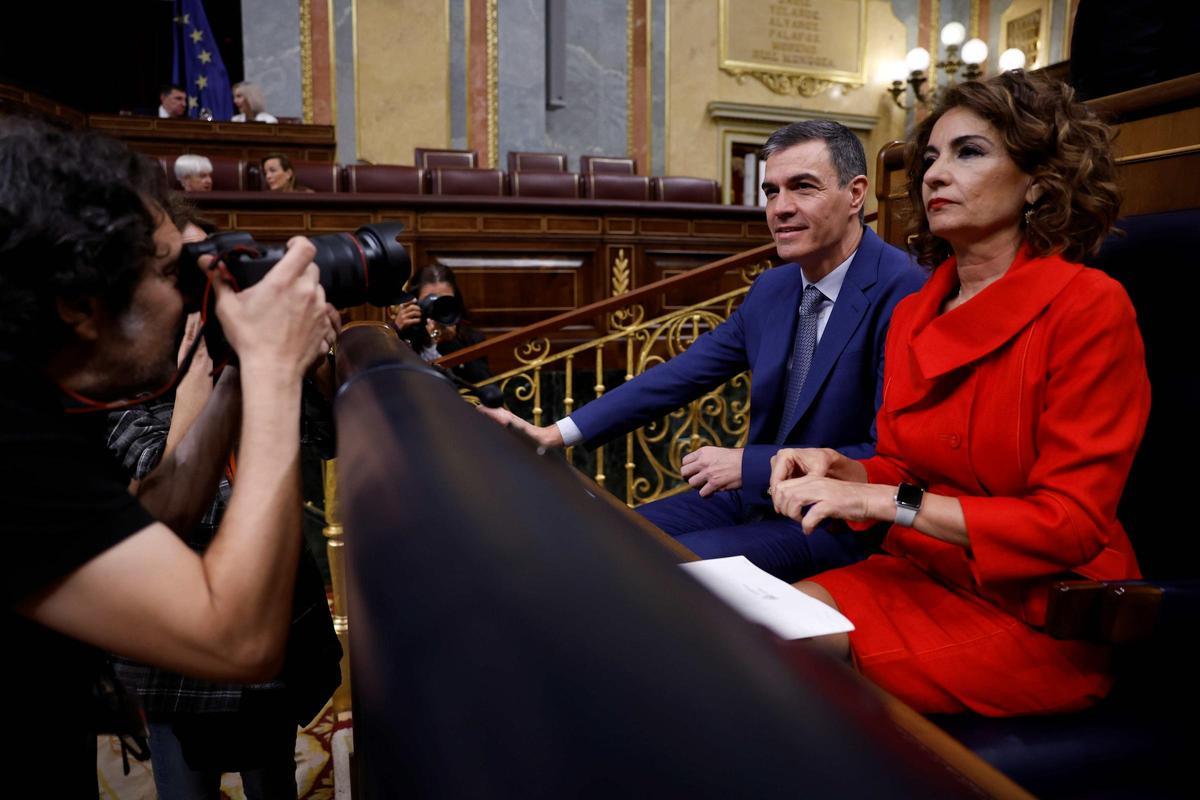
[(943, 650)]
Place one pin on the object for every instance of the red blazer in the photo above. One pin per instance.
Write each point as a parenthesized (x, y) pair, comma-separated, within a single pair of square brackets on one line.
[(1028, 403)]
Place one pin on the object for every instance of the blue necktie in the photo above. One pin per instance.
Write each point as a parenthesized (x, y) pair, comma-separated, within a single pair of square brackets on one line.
[(802, 355)]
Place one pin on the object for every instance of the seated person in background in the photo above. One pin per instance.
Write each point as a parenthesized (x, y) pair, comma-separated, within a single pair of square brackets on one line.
[(280, 177), (200, 729), (1016, 397), (172, 102), (433, 339), (194, 173), (88, 314), (248, 98), (812, 333)]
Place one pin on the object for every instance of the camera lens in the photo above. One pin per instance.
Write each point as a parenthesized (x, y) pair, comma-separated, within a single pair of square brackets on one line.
[(446, 309), (367, 266)]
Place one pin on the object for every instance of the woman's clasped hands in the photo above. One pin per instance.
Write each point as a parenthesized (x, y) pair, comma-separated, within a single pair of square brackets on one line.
[(811, 485)]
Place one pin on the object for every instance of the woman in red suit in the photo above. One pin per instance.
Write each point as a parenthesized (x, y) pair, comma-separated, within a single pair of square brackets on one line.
[(1015, 397)]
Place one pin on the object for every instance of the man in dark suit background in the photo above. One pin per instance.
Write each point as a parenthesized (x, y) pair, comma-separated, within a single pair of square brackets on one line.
[(817, 363), (172, 102)]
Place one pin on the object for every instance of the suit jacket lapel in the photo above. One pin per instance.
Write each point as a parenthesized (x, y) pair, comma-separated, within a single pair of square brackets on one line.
[(847, 314), (938, 344)]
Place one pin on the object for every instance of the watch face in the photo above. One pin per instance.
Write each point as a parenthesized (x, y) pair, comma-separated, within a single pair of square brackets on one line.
[(909, 496)]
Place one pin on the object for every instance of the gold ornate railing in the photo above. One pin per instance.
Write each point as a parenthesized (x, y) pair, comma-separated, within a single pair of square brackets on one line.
[(548, 383)]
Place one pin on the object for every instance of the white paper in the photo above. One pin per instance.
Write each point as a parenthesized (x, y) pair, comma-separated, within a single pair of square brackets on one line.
[(763, 598)]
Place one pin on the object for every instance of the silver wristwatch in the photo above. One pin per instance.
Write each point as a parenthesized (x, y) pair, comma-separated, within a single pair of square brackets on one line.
[(908, 503)]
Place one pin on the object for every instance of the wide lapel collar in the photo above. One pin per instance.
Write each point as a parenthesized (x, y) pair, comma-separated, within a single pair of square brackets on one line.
[(940, 344), (778, 331), (847, 314)]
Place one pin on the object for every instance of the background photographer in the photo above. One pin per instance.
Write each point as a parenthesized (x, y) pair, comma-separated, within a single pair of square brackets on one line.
[(442, 328), (88, 310)]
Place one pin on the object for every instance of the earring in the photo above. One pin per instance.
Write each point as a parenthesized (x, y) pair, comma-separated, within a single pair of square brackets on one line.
[(1028, 214)]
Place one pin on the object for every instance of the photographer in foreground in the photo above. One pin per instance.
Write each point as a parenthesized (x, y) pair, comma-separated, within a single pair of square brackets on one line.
[(88, 309)]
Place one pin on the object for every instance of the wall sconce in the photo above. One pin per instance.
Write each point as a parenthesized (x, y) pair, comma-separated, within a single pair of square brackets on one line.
[(966, 56)]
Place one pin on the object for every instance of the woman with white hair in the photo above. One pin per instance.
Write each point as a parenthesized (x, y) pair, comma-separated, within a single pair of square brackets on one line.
[(248, 97), (194, 173)]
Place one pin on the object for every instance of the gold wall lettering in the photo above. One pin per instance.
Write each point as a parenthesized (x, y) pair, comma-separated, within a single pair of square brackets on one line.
[(1022, 33), (795, 46)]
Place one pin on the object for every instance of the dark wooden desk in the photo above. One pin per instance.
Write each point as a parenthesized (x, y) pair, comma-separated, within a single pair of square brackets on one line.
[(247, 140), (169, 137), (521, 260)]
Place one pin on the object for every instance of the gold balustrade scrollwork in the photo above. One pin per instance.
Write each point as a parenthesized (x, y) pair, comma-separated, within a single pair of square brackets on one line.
[(752, 271), (544, 385), (628, 317)]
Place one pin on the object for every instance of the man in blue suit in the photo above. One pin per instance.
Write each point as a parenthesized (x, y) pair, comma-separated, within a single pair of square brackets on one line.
[(811, 332)]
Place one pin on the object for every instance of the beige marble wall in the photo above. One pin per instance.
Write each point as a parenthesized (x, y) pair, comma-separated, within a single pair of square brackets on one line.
[(694, 79), (403, 89)]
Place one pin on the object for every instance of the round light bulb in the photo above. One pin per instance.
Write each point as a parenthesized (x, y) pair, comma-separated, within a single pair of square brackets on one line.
[(1012, 58), (953, 34), (974, 52), (917, 59), (892, 70)]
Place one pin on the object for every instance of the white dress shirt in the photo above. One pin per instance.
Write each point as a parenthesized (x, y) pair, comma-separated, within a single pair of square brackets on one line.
[(261, 116), (830, 286)]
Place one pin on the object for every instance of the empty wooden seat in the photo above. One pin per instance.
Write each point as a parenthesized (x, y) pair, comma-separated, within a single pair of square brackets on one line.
[(429, 158), (537, 162), (671, 189), (617, 165), (544, 184), (604, 186), (486, 182), (384, 178)]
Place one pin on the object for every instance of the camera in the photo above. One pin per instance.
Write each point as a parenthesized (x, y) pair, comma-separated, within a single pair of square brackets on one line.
[(367, 266), (444, 309)]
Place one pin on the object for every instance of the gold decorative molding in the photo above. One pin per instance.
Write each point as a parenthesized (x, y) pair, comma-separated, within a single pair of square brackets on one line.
[(332, 56), (785, 83), (493, 90), (935, 39), (629, 143), (335, 547), (1022, 10), (666, 87), (306, 65), (620, 273)]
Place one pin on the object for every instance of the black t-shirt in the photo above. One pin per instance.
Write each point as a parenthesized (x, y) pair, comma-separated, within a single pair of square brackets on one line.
[(63, 501)]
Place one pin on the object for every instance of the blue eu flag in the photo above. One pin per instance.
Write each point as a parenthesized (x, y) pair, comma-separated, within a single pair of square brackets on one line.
[(198, 65)]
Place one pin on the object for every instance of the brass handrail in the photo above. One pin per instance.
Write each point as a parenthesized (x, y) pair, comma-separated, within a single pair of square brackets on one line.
[(652, 455), (507, 341)]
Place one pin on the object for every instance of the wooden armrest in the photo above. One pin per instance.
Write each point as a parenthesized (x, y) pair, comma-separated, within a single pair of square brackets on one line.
[(1116, 612)]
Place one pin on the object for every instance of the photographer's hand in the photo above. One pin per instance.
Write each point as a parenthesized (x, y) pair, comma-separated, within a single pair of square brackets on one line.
[(195, 387), (282, 323), (407, 315)]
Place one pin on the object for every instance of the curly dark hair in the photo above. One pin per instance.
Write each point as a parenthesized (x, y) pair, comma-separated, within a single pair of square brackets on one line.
[(1051, 136), (77, 220)]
